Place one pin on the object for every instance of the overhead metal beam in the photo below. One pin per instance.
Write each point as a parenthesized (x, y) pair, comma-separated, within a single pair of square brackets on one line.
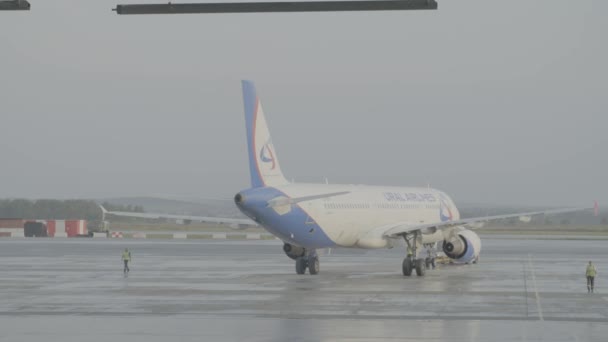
[(14, 5), (286, 6)]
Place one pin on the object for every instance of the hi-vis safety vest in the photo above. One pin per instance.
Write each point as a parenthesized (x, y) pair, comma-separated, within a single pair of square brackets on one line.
[(591, 271), (126, 256)]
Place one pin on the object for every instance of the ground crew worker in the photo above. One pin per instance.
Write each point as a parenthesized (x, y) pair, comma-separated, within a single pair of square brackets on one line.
[(590, 273), (126, 257), (431, 256)]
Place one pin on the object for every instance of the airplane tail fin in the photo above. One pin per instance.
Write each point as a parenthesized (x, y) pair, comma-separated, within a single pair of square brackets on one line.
[(264, 165)]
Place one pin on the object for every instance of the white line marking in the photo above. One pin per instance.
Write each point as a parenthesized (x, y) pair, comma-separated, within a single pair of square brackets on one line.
[(538, 306)]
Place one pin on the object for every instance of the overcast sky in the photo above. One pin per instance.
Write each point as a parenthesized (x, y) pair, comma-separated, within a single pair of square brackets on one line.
[(499, 102)]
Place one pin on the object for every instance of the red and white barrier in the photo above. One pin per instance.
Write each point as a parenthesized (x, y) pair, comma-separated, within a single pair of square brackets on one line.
[(12, 232), (66, 228), (11, 228), (116, 235)]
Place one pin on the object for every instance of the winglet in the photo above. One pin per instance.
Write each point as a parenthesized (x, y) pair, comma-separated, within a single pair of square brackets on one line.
[(596, 209), (103, 210)]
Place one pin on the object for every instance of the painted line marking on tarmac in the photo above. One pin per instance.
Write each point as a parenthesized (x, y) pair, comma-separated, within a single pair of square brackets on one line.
[(523, 264), (538, 306)]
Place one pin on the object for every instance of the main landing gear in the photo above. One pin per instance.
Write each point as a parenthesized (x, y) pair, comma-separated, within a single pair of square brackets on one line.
[(310, 260), (411, 262)]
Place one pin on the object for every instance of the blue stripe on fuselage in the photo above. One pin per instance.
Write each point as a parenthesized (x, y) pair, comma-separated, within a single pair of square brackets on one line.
[(295, 227)]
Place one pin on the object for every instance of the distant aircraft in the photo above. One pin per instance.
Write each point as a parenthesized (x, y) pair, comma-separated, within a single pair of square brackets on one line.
[(307, 217)]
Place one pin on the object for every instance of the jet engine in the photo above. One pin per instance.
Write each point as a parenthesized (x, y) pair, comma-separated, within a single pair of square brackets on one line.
[(293, 252), (463, 246)]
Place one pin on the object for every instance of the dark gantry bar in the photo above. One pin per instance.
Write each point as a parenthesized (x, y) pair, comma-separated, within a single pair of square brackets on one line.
[(284, 6), (14, 5)]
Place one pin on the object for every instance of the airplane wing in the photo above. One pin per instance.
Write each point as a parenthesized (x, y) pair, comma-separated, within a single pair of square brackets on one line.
[(401, 228), (233, 222)]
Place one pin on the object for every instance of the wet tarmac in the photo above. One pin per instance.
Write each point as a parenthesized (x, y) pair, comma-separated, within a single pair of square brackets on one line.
[(74, 290)]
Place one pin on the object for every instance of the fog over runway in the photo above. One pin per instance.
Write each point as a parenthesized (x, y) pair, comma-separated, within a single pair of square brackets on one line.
[(74, 290)]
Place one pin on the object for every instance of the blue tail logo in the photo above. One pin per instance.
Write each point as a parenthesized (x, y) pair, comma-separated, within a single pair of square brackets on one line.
[(267, 156)]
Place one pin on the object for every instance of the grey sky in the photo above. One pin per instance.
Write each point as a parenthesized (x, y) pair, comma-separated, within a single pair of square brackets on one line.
[(491, 101)]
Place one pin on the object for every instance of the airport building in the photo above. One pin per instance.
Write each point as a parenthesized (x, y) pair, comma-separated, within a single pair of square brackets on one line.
[(14, 227)]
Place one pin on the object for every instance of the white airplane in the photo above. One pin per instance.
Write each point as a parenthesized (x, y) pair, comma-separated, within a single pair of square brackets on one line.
[(307, 217)]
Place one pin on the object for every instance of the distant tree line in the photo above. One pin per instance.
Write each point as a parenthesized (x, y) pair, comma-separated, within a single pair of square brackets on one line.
[(58, 209), (117, 207)]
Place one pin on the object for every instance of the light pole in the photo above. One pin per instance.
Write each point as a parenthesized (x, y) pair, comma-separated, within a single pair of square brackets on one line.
[(282, 6), (14, 5)]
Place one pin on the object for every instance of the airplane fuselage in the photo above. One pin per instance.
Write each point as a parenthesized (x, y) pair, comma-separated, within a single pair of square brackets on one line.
[(354, 219)]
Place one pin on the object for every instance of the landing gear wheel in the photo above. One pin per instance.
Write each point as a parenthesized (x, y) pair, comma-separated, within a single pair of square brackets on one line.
[(427, 263), (313, 265), (407, 266), (420, 267), (301, 265)]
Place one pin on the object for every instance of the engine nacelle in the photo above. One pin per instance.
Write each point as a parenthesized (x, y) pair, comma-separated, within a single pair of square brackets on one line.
[(464, 246), (293, 252)]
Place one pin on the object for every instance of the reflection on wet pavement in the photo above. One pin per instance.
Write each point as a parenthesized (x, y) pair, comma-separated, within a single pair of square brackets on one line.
[(234, 290)]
